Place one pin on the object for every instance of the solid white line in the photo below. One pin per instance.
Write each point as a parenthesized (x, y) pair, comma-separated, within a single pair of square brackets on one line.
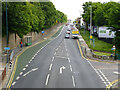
[(17, 78), (69, 60), (73, 81), (50, 67), (47, 79), (53, 59), (26, 66), (13, 83), (71, 68), (21, 73), (24, 69)]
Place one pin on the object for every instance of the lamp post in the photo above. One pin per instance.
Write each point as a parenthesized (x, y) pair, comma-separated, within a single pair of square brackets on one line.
[(90, 22)]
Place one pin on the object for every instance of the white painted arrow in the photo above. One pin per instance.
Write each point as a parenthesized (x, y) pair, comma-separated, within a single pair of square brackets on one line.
[(116, 72), (61, 68), (30, 71)]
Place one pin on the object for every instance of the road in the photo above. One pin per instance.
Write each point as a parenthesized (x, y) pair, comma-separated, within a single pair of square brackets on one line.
[(59, 65)]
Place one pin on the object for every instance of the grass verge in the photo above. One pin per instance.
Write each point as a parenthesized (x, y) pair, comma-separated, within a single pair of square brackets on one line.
[(99, 45)]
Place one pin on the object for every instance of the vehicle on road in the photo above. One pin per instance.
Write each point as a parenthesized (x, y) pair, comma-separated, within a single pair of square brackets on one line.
[(67, 32), (75, 34), (67, 36)]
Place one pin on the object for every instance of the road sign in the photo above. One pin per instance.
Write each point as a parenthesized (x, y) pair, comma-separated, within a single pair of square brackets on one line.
[(42, 32), (113, 48), (91, 37), (7, 48)]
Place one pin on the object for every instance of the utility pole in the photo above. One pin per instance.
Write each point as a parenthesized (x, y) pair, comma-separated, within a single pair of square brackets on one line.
[(90, 22)]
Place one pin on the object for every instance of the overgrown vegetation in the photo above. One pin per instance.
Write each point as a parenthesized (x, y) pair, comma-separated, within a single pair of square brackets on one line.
[(24, 17)]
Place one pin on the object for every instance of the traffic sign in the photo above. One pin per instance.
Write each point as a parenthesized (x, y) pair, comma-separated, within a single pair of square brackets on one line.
[(113, 48), (7, 48)]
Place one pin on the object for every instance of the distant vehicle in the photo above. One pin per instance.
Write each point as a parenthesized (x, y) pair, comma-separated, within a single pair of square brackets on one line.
[(69, 28), (105, 32), (67, 32), (67, 36), (75, 34)]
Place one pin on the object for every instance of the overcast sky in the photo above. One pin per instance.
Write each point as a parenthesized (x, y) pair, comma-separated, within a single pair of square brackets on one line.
[(72, 8)]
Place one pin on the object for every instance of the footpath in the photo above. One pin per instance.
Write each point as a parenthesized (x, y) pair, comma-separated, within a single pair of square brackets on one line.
[(87, 53), (18, 51)]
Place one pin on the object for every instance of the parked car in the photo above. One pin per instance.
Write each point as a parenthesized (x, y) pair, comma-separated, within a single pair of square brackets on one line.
[(67, 36)]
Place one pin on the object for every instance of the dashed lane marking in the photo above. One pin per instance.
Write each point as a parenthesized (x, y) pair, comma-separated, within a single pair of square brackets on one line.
[(73, 79), (26, 66), (71, 68), (13, 83), (24, 69), (55, 53), (69, 60), (21, 73), (50, 67), (53, 59), (17, 78), (47, 79)]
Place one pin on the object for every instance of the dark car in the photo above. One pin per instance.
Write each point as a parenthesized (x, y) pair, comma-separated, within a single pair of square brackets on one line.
[(67, 36)]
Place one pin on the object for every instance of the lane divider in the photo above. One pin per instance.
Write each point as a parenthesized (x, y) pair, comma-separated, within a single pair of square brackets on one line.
[(15, 65)]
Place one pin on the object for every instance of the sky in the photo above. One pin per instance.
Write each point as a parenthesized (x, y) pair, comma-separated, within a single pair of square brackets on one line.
[(73, 8)]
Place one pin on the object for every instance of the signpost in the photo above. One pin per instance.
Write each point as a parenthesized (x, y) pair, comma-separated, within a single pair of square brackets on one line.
[(7, 49), (114, 49)]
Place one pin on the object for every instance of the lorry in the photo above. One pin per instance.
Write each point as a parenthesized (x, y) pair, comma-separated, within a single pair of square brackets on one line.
[(75, 34)]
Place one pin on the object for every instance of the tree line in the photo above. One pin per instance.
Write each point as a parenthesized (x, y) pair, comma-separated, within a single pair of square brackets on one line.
[(104, 14), (25, 17)]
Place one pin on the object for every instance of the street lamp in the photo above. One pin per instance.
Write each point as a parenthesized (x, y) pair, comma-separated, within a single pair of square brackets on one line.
[(90, 22)]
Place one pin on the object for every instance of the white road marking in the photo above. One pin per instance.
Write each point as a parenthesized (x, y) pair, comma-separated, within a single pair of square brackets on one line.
[(66, 49), (71, 68), (13, 83), (50, 67), (33, 57), (29, 61), (53, 59), (103, 75), (99, 74), (61, 57), (17, 78), (26, 66), (69, 60), (56, 49), (30, 71), (61, 68), (24, 69), (73, 79), (21, 73), (47, 79), (67, 54), (55, 53), (116, 72)]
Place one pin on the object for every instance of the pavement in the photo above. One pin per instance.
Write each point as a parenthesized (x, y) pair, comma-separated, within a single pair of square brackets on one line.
[(18, 51), (62, 64)]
